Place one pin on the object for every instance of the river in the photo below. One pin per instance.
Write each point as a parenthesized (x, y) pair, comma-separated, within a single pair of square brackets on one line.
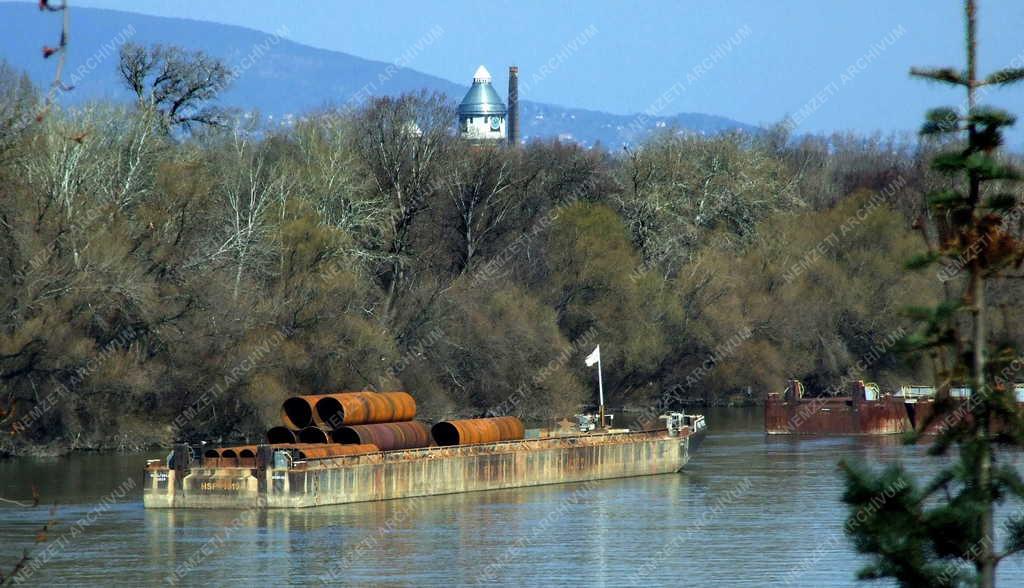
[(748, 511)]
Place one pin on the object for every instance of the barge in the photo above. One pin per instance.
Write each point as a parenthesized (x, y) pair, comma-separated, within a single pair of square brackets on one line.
[(865, 411), (297, 476)]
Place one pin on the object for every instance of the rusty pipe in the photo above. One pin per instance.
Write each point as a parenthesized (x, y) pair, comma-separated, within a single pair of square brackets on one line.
[(245, 455), (296, 446), (240, 456), (313, 435), (466, 431), (297, 412), (386, 436), (237, 451), (362, 408), (279, 435), (404, 405), (380, 409), (335, 450)]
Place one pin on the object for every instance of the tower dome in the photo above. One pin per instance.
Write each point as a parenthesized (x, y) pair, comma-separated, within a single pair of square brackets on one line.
[(482, 75), (481, 112)]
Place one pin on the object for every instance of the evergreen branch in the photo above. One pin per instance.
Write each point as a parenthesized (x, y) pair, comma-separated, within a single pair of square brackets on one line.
[(941, 120), (1005, 77), (947, 199), (987, 167), (1003, 201), (949, 162), (1015, 538), (946, 75), (991, 117)]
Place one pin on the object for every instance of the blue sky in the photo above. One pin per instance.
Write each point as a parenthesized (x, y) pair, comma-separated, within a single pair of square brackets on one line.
[(789, 51)]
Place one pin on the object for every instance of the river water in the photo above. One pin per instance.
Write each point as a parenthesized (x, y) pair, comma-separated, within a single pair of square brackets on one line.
[(748, 511)]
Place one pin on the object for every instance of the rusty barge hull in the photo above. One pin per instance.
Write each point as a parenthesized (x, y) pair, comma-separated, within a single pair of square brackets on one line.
[(835, 416), (912, 409), (264, 482)]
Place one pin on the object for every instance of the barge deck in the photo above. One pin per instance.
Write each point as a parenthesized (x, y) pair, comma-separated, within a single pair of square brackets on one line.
[(275, 479)]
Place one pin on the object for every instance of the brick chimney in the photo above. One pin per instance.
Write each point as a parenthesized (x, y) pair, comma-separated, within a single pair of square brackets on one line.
[(513, 105)]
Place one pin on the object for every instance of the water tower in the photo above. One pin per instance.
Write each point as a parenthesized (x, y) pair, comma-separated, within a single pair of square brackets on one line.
[(482, 113)]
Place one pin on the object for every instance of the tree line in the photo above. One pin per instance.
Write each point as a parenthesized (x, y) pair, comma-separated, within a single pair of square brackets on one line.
[(168, 258)]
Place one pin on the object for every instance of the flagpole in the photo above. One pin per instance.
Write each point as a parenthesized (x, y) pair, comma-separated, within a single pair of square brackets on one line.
[(600, 389), (595, 357)]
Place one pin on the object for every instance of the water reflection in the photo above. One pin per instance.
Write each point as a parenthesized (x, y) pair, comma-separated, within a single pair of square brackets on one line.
[(747, 511)]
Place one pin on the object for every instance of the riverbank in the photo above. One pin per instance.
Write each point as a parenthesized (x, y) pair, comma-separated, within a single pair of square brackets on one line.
[(15, 448)]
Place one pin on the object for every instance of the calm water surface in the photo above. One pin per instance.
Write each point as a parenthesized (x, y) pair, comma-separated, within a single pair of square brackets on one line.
[(749, 511)]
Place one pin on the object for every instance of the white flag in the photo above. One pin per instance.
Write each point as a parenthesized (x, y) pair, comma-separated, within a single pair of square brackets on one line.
[(594, 357)]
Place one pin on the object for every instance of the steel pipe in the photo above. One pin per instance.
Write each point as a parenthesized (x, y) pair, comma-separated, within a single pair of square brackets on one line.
[(335, 450), (237, 451), (386, 436), (313, 435), (362, 408), (466, 431), (245, 455), (278, 435), (297, 412)]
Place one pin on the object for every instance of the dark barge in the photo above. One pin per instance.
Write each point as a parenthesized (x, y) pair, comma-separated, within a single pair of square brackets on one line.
[(865, 411)]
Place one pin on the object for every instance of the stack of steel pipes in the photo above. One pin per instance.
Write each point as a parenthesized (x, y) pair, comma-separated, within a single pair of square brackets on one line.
[(245, 455), (384, 419), (352, 423)]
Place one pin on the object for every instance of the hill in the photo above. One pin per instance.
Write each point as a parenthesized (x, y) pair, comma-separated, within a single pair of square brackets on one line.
[(283, 79)]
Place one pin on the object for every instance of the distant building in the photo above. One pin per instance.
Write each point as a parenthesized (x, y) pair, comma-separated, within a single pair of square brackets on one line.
[(482, 113)]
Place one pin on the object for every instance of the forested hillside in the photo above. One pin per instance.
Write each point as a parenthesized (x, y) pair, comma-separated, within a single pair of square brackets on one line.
[(160, 285)]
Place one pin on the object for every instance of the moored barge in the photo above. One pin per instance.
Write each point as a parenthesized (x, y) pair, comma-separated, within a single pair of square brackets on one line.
[(865, 411), (277, 476)]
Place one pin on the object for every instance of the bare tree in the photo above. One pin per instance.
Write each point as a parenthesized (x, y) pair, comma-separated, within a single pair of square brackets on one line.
[(677, 188), (18, 102), (249, 190), (478, 185), (325, 170), (402, 142), (179, 84)]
